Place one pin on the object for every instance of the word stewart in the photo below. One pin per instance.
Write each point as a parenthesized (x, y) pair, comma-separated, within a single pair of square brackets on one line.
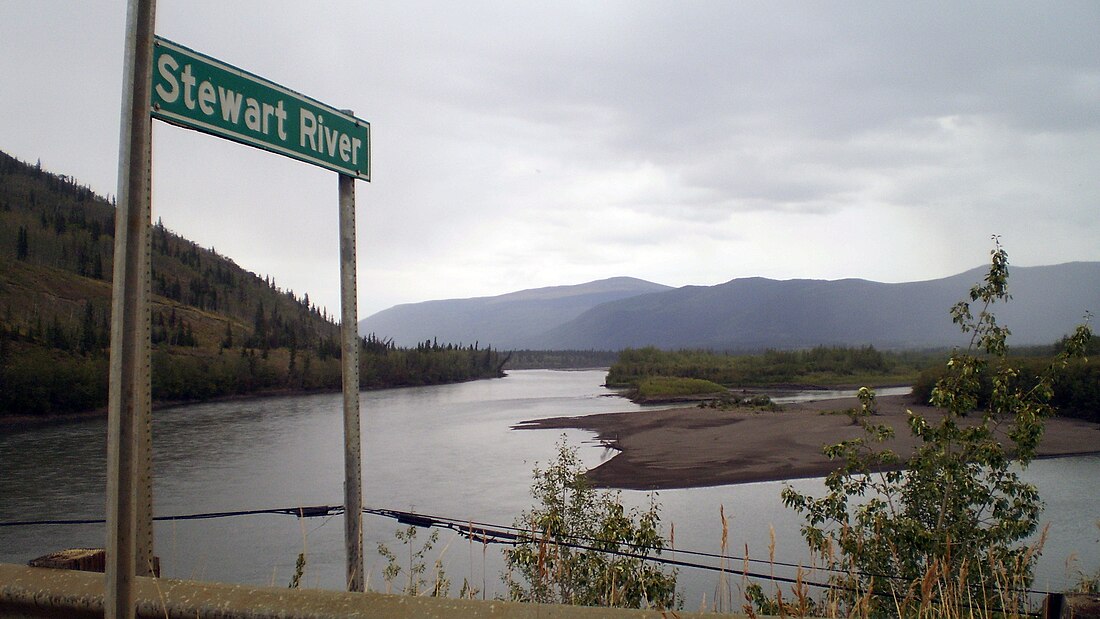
[(199, 92)]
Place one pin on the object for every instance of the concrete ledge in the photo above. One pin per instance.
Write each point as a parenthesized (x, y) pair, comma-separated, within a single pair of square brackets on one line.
[(42, 592)]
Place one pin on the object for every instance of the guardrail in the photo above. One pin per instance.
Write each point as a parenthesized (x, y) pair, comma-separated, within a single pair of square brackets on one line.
[(31, 592)]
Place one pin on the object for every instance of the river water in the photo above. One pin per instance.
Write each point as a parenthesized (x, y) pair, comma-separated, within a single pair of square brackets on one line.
[(446, 450)]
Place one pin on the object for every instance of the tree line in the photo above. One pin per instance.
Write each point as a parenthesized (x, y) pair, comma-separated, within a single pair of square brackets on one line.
[(561, 359), (1075, 386), (40, 380), (823, 365), (216, 328)]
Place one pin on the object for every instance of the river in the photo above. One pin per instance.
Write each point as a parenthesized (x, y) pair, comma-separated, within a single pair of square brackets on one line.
[(446, 450)]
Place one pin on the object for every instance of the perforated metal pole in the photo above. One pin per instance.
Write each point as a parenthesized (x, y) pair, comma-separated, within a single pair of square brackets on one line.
[(128, 413), (143, 429), (349, 332)]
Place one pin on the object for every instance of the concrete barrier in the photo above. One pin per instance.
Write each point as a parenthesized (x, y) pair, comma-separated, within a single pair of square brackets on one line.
[(33, 592), (1072, 606)]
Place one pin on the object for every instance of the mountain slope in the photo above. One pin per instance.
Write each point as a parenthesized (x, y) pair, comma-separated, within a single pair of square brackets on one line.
[(757, 313), (216, 329), (55, 230), (508, 321)]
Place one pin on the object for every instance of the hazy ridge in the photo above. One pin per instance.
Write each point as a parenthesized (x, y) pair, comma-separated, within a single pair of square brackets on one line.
[(749, 313)]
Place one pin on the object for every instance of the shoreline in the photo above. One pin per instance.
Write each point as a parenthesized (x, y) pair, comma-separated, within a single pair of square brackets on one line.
[(698, 447), (22, 422)]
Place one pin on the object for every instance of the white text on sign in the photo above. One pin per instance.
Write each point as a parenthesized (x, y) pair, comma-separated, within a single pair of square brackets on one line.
[(217, 98)]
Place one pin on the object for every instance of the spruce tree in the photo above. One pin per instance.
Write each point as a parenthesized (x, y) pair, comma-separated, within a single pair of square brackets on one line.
[(22, 246)]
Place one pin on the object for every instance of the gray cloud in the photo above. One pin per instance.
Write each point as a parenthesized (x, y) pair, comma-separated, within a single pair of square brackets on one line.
[(523, 144)]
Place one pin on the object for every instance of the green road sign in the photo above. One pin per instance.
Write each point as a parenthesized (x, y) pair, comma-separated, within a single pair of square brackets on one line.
[(198, 92)]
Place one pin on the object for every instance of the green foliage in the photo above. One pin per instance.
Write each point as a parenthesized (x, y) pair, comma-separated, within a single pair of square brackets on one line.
[(1086, 582), (956, 511), (799, 605), (299, 571), (730, 401), (22, 244), (383, 365), (60, 372), (415, 583), (1076, 384), (657, 387), (569, 555), (38, 381), (820, 366), (1077, 390)]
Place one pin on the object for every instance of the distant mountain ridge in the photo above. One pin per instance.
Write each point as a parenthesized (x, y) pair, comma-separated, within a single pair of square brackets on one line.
[(750, 313), (509, 321)]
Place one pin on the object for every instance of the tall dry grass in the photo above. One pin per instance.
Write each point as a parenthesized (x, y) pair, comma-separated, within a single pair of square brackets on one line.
[(945, 591)]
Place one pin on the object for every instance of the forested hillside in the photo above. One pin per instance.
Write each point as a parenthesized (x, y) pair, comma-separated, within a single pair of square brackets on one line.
[(217, 329)]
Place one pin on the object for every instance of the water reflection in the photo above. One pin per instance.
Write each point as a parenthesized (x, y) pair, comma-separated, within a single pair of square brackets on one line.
[(445, 450), (809, 395)]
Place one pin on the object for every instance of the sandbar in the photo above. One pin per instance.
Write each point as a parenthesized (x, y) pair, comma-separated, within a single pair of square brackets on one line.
[(697, 447)]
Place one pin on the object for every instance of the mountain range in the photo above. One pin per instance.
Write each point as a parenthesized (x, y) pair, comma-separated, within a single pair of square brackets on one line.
[(747, 314)]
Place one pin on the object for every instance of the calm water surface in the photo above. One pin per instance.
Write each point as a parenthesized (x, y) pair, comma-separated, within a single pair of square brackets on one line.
[(445, 450)]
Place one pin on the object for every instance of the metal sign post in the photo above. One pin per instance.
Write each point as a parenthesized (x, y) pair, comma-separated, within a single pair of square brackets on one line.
[(129, 517), (349, 358), (183, 87), (195, 91)]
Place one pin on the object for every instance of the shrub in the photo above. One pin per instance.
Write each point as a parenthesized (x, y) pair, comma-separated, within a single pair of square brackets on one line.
[(415, 583), (670, 387), (945, 525), (582, 547)]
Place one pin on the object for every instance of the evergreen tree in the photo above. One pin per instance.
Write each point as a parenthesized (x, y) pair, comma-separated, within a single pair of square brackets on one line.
[(89, 339), (227, 342), (22, 245)]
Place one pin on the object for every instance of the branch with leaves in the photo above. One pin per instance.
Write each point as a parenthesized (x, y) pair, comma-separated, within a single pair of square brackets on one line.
[(956, 511)]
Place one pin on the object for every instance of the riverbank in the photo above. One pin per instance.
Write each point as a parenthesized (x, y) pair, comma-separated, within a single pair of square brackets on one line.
[(698, 447), (24, 422)]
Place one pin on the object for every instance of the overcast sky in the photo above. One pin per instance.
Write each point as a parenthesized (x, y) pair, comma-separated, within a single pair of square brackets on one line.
[(521, 144)]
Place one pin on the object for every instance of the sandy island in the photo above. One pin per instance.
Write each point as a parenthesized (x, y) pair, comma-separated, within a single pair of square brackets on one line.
[(695, 447)]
